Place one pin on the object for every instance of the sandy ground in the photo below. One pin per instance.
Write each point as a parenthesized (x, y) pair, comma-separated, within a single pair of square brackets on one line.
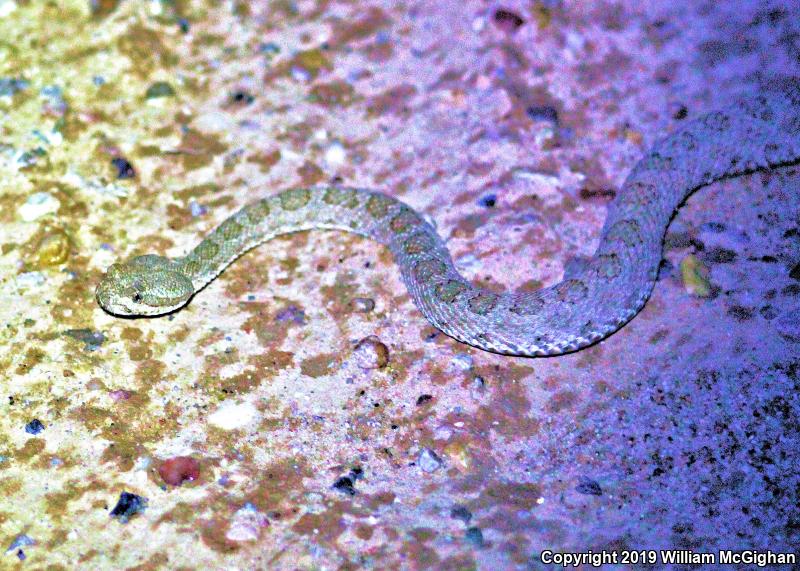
[(257, 428)]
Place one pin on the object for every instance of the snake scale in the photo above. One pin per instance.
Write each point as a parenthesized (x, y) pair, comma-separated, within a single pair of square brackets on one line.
[(595, 298)]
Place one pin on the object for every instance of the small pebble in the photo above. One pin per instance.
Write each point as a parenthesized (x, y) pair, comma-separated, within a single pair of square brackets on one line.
[(9, 86), (124, 168), (231, 415), (246, 524), (196, 209), (478, 388), (175, 471), (345, 485), (34, 427), (678, 111), (128, 506), (507, 20), (695, 277), (92, 340), (159, 89), (370, 353), (120, 395), (488, 201), (542, 113), (21, 540), (463, 361), (242, 97), (429, 461), (38, 204), (53, 249), (291, 313), (269, 48), (589, 487), (31, 279), (461, 512), (474, 535), (362, 304), (335, 155)]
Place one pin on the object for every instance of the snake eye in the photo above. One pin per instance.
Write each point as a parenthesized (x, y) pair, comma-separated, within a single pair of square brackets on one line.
[(137, 297)]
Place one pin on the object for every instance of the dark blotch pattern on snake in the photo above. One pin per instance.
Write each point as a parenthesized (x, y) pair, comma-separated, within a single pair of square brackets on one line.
[(592, 302)]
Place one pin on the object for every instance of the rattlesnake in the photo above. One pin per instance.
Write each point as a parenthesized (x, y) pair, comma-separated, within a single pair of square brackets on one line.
[(596, 297)]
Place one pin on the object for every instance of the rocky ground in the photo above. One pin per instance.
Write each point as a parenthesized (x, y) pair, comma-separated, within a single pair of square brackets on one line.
[(301, 413)]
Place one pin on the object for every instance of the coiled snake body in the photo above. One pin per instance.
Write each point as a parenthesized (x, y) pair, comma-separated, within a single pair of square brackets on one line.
[(595, 298)]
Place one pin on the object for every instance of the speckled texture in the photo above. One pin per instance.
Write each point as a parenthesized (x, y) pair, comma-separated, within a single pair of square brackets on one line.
[(301, 413)]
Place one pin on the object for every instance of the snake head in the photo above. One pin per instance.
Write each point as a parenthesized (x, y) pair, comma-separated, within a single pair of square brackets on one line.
[(144, 285)]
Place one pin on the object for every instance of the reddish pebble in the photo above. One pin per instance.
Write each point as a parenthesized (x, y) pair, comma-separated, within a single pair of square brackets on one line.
[(178, 470), (370, 353)]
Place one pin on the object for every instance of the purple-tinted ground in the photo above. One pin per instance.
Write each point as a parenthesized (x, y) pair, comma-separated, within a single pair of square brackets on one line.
[(261, 433)]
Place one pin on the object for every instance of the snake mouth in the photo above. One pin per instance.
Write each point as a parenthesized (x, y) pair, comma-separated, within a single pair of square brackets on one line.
[(104, 299)]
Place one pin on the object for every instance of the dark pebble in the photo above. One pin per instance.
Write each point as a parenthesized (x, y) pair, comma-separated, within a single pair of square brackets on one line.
[(159, 89), (680, 113), (242, 97), (475, 536), (128, 506), (488, 201), (345, 485), (423, 399), (124, 168), (461, 512), (507, 20), (589, 487), (542, 113), (34, 427)]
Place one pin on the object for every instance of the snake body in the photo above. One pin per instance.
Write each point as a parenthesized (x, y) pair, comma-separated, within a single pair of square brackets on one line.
[(595, 298)]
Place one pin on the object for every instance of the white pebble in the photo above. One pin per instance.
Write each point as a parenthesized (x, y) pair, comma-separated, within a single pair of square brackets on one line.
[(38, 205), (213, 122), (463, 361), (335, 155), (429, 461), (231, 415), (246, 524), (31, 279), (6, 7)]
